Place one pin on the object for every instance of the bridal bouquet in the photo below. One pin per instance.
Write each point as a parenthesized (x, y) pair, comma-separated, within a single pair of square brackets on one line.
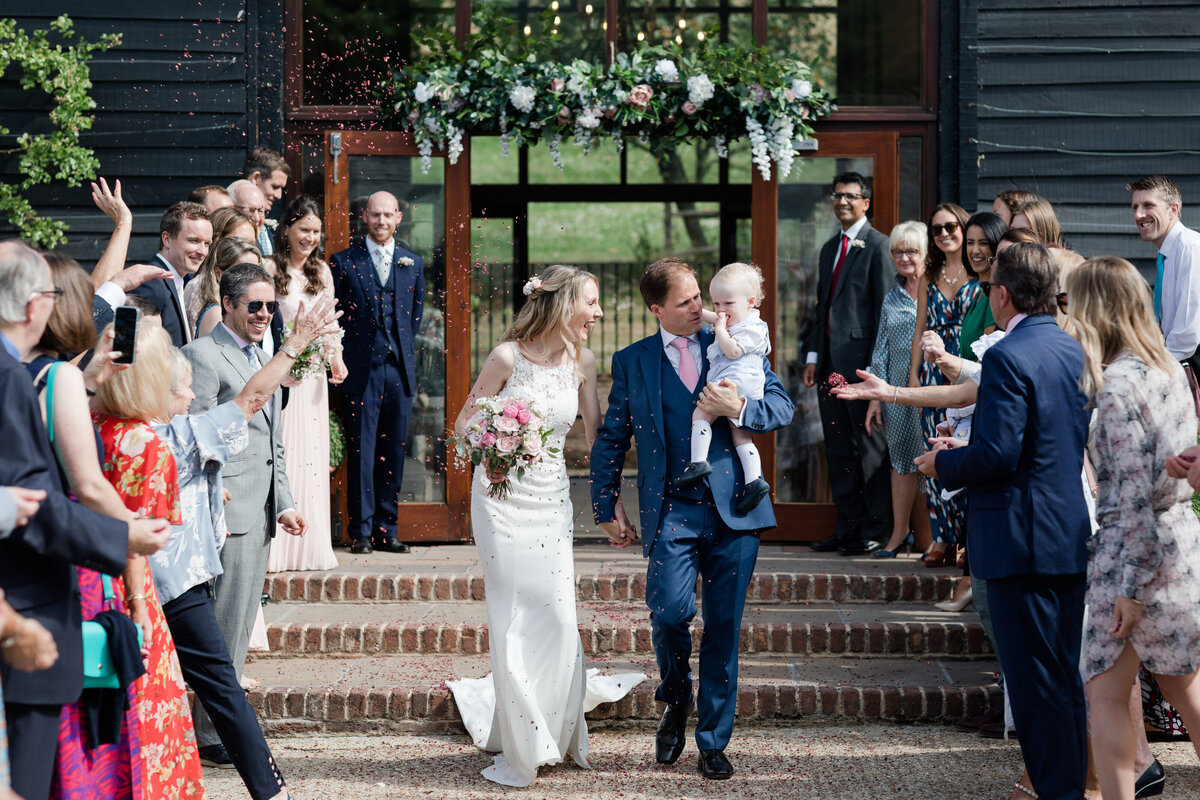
[(315, 359), (504, 435)]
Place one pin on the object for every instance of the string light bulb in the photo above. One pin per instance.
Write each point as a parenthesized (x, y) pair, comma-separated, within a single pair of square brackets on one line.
[(604, 25), (557, 20), (588, 8), (683, 23), (700, 35), (678, 39), (641, 36), (554, 6), (528, 30)]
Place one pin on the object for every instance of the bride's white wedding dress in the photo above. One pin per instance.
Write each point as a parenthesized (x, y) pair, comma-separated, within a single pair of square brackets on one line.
[(530, 709)]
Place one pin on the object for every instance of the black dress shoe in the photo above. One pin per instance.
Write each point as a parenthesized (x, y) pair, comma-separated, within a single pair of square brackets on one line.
[(752, 495), (361, 547), (391, 546), (214, 755), (714, 765), (694, 472), (834, 542), (1151, 781), (859, 548), (672, 729)]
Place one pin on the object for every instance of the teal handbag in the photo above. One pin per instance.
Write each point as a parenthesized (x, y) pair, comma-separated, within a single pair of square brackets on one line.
[(98, 670)]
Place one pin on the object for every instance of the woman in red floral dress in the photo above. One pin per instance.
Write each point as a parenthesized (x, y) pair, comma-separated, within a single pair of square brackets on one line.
[(142, 469)]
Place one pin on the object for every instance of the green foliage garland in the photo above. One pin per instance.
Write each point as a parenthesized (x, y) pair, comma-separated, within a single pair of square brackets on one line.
[(502, 82), (61, 71)]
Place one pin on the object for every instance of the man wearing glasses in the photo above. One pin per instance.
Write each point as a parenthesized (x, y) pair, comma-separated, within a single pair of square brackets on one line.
[(222, 362), (854, 278)]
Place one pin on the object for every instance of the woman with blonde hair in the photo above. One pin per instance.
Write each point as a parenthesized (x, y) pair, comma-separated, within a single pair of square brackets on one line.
[(1038, 215), (1006, 203), (141, 467), (1143, 591), (530, 710), (202, 295)]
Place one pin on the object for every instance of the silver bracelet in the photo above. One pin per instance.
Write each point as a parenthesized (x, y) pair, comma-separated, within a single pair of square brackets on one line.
[(895, 394)]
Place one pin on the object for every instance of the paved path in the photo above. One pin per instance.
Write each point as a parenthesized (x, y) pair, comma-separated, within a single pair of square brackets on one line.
[(826, 762)]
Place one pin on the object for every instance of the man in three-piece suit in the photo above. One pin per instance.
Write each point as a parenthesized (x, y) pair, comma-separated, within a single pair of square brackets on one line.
[(686, 530), (222, 362), (184, 237), (855, 275), (1027, 522), (380, 288), (37, 560)]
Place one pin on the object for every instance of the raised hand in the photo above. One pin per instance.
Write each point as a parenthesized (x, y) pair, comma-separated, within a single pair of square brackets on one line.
[(134, 276), (872, 387), (111, 202), (312, 323)]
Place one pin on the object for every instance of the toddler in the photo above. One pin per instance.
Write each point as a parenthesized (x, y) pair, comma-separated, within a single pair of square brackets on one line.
[(742, 340)]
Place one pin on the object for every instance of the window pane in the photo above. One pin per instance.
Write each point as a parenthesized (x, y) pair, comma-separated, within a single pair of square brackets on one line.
[(601, 165), (910, 177), (487, 166), (349, 45)]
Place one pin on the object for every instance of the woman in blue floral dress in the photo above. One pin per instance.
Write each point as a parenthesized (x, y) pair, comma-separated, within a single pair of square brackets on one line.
[(947, 292)]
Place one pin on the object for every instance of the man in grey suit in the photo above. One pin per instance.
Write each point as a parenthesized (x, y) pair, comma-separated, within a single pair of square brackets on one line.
[(855, 274), (222, 362)]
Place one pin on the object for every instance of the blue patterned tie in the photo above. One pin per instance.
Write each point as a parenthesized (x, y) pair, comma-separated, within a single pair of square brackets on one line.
[(1160, 264), (251, 357)]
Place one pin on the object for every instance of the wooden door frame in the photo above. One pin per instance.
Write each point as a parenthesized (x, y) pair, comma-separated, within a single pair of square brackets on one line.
[(806, 522), (422, 522)]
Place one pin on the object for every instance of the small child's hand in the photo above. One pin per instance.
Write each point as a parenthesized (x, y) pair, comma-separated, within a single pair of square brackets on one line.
[(722, 319)]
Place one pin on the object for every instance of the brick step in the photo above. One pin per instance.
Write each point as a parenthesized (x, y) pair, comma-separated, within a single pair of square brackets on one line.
[(409, 693), (616, 586), (609, 629)]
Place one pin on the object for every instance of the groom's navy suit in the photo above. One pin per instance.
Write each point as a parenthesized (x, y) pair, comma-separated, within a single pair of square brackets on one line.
[(1027, 530), (686, 531), (380, 323)]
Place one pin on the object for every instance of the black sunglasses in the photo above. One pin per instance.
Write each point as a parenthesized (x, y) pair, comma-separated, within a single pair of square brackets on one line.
[(1061, 297), (986, 288), (949, 227), (255, 306)]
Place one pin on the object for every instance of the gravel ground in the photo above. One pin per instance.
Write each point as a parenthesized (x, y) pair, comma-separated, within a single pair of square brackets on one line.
[(828, 762)]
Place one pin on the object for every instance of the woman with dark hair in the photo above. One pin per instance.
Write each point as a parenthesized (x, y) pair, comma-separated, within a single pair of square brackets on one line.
[(947, 291), (980, 243), (301, 277)]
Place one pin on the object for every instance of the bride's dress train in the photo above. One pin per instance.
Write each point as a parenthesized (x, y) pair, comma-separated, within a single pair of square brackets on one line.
[(530, 709)]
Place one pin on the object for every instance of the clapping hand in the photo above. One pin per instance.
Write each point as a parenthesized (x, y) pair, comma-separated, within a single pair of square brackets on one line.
[(872, 387)]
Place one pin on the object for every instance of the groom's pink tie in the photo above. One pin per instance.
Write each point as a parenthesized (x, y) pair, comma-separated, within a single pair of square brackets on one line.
[(687, 364)]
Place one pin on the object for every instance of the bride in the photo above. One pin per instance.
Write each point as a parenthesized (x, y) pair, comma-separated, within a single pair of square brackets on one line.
[(530, 709)]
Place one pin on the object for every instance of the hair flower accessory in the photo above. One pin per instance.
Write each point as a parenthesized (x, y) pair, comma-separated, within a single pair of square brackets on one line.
[(532, 285)]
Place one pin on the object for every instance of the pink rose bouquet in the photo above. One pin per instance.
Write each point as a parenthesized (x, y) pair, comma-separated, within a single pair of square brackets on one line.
[(506, 434)]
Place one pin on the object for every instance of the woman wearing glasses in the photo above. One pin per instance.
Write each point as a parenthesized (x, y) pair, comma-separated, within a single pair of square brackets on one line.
[(946, 292)]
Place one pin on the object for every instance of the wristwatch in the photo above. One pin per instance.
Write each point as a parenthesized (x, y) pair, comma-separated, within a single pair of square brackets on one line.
[(289, 352)]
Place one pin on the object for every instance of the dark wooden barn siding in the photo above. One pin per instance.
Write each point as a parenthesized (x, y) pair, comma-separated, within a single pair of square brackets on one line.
[(178, 104), (1071, 99)]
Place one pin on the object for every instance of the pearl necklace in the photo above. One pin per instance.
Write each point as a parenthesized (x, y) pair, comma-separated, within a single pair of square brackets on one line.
[(954, 281)]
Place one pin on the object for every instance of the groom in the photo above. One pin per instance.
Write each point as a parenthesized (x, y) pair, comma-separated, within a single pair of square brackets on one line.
[(688, 530)]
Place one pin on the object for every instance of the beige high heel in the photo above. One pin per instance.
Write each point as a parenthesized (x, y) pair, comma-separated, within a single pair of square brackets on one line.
[(956, 605)]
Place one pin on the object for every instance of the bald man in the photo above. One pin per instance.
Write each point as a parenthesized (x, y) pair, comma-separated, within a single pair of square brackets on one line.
[(380, 288), (249, 199)]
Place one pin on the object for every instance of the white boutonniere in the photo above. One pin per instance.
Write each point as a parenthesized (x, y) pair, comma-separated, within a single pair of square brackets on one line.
[(405, 261), (273, 224), (858, 244)]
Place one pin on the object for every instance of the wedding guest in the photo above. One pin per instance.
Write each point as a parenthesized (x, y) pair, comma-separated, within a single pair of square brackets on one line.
[(249, 199), (267, 170), (980, 243), (301, 277), (1142, 575), (1156, 205), (854, 279), (212, 197), (204, 301), (231, 222), (1038, 215), (1032, 555), (947, 290), (141, 467), (890, 360), (185, 234), (1006, 203)]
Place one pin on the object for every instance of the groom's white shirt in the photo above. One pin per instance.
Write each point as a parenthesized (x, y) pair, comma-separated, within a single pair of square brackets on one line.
[(697, 356)]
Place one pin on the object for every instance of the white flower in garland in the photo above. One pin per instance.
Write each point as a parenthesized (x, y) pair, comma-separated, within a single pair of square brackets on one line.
[(618, 139), (759, 148), (780, 145), (700, 89), (722, 150), (522, 98), (554, 142), (578, 85), (589, 118), (666, 70), (424, 92), (801, 89), (425, 148), (456, 146)]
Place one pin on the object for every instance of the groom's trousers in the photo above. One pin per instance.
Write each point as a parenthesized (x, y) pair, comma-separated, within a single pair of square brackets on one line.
[(693, 541)]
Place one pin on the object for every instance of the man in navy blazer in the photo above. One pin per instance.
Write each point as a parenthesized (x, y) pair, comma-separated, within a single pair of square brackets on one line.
[(184, 237), (37, 559), (686, 530), (1027, 521), (380, 288)]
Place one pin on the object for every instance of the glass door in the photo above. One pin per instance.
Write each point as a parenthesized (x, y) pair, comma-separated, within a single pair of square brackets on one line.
[(435, 207), (793, 218)]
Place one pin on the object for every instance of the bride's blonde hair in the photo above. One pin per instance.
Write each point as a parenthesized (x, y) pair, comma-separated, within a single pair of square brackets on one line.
[(553, 296), (1110, 307)]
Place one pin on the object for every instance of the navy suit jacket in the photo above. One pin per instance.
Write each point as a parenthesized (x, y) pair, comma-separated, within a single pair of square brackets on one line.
[(635, 409), (102, 314), (357, 292), (36, 560), (162, 294), (1026, 514)]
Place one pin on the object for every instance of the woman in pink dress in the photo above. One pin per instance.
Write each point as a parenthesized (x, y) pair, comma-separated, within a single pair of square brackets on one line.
[(301, 275)]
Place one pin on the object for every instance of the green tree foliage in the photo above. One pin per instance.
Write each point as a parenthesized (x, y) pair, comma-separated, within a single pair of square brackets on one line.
[(58, 69)]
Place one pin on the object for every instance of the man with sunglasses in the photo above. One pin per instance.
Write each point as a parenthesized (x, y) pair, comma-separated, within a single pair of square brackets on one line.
[(855, 275), (222, 362)]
